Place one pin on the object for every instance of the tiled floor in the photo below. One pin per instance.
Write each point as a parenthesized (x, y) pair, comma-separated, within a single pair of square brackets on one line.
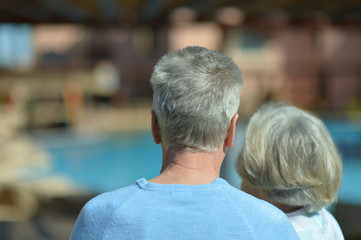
[(54, 221)]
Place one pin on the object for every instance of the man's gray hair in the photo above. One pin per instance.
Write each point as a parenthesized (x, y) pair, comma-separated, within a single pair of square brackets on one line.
[(290, 154), (196, 92)]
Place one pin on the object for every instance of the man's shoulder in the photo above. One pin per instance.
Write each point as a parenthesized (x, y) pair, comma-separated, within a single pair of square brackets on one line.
[(254, 207), (262, 218), (98, 213), (238, 196), (113, 198)]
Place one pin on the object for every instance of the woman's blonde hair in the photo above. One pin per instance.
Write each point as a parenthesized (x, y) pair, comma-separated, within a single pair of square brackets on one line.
[(289, 154)]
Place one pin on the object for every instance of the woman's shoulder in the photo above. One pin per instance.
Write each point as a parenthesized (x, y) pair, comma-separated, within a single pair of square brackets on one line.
[(316, 225)]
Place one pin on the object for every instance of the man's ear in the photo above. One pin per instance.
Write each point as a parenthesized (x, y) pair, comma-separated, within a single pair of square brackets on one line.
[(155, 129), (231, 132)]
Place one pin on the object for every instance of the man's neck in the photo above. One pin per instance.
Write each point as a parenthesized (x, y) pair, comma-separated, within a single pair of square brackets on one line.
[(191, 168)]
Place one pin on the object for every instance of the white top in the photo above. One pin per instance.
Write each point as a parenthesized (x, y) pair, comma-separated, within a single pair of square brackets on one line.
[(317, 226)]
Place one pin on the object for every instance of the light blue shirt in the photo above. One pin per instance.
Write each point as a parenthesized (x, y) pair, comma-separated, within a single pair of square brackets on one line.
[(213, 211)]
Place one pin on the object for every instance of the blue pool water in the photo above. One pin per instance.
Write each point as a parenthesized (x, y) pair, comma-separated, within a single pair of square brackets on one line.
[(101, 163), (347, 136)]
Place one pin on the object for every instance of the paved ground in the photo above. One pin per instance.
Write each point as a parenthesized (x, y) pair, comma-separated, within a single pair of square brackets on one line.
[(349, 218), (54, 221)]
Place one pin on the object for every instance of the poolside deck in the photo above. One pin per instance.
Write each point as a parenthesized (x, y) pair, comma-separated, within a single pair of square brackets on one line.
[(54, 201)]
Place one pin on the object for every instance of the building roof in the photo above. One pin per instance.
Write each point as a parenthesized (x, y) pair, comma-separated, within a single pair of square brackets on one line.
[(129, 12)]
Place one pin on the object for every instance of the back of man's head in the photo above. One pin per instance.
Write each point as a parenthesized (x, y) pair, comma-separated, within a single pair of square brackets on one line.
[(196, 94)]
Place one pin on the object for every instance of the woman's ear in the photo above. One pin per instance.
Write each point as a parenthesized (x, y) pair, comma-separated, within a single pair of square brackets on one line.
[(155, 129)]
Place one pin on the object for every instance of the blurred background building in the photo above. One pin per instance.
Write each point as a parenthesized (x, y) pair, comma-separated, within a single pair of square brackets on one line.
[(75, 97)]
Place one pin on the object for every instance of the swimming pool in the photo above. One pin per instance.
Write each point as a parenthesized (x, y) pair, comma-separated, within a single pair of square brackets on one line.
[(347, 136), (104, 162), (101, 162)]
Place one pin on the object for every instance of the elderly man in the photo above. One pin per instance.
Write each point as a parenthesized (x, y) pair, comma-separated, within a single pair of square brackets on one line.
[(195, 103)]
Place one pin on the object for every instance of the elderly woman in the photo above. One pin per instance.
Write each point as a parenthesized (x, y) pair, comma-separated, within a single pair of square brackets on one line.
[(289, 159)]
